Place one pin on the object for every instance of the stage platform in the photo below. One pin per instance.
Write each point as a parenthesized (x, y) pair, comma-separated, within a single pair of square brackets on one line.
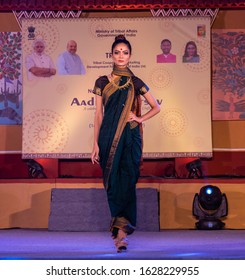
[(27, 244)]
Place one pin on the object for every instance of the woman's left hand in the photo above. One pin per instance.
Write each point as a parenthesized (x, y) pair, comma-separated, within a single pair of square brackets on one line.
[(133, 117)]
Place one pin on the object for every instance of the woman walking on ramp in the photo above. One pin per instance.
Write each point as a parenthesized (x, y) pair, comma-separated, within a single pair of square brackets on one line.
[(118, 138)]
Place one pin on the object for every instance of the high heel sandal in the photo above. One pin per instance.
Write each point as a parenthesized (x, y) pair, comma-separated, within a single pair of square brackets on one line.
[(121, 241)]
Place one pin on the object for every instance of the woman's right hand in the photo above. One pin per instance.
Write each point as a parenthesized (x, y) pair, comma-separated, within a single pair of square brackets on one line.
[(95, 155)]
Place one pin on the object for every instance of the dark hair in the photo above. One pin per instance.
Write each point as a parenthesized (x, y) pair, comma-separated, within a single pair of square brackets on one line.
[(121, 39), (166, 40)]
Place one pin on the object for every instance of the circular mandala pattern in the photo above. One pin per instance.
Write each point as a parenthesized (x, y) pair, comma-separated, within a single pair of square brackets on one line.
[(45, 132), (44, 30), (203, 48), (204, 96), (98, 29), (161, 77), (173, 122)]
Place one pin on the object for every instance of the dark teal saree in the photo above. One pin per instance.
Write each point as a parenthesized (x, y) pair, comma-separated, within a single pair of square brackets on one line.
[(120, 144)]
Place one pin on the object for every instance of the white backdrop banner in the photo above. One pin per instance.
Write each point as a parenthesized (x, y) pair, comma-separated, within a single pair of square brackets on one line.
[(58, 111)]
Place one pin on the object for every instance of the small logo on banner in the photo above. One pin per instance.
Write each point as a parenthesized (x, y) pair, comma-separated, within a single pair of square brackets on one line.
[(31, 33)]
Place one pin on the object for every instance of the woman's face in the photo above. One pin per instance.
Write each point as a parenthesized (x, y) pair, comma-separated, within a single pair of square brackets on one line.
[(121, 55), (191, 50)]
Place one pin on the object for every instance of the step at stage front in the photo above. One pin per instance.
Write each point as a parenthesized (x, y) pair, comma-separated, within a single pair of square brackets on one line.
[(87, 210)]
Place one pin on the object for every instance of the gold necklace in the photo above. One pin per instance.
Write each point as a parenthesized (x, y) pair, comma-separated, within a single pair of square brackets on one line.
[(122, 86)]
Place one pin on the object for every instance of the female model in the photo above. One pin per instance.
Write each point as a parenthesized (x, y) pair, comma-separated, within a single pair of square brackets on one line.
[(117, 138)]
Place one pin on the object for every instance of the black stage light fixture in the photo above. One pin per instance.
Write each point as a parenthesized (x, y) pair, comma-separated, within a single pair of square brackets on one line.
[(209, 206), (195, 169), (35, 169)]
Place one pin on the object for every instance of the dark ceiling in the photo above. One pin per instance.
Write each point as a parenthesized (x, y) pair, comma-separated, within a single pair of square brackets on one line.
[(76, 5)]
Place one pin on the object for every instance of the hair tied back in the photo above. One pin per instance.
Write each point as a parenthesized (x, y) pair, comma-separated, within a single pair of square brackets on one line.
[(120, 37)]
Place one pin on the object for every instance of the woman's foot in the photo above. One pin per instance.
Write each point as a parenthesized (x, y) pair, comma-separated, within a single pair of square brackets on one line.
[(121, 241)]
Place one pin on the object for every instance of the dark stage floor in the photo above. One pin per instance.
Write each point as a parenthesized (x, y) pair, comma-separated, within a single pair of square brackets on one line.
[(36, 244)]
